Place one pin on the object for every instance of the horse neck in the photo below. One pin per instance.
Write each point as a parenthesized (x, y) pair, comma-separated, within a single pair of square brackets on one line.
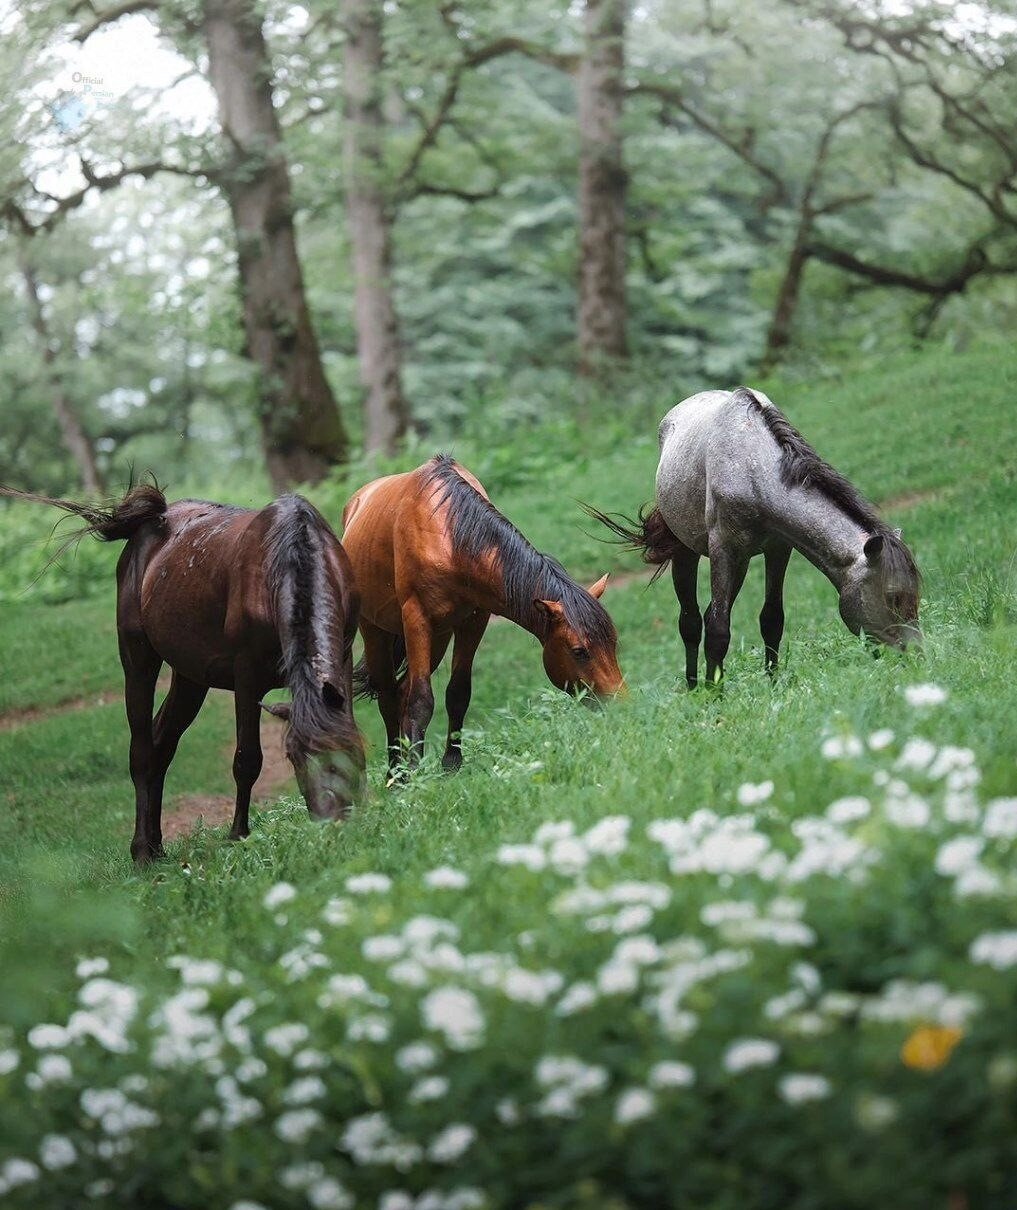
[(820, 530), (484, 586)]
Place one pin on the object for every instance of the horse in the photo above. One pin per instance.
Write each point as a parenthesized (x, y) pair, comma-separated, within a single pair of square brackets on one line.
[(238, 599), (735, 480), (434, 559)]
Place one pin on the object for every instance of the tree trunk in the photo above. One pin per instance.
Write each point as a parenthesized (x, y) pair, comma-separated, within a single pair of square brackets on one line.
[(386, 412), (77, 441), (302, 431), (778, 335), (602, 184)]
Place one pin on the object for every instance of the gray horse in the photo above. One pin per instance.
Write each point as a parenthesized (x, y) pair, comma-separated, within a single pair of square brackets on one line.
[(736, 479)]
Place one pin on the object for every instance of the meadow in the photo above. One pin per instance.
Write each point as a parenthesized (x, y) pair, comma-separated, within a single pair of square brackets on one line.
[(754, 947)]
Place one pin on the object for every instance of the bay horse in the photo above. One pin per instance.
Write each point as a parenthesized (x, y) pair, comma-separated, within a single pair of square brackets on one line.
[(434, 559), (232, 598), (736, 479)]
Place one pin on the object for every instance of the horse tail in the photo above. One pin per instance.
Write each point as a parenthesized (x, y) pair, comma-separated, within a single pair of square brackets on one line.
[(113, 522), (363, 686), (648, 533)]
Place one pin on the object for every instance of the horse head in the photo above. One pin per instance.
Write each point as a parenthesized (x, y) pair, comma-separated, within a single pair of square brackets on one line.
[(580, 652), (880, 594)]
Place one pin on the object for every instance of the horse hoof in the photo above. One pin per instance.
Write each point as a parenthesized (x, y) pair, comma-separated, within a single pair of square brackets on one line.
[(147, 855)]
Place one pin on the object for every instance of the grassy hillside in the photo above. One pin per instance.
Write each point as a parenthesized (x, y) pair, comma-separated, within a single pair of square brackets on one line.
[(801, 997)]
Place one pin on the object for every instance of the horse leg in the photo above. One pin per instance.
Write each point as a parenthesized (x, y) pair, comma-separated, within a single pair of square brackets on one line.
[(178, 711), (379, 658), (727, 573), (141, 664), (417, 695), (771, 616), (247, 758), (684, 567), (460, 686)]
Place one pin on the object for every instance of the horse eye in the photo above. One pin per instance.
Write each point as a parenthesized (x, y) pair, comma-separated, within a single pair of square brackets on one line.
[(580, 653)]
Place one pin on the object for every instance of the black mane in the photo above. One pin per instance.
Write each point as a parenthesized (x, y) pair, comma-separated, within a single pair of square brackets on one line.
[(310, 633), (478, 528), (801, 466)]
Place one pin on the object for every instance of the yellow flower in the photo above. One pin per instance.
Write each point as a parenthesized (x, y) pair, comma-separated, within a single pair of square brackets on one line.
[(930, 1047)]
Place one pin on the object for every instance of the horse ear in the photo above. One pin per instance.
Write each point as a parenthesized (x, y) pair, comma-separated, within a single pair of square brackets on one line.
[(277, 710), (873, 547), (550, 609), (597, 590)]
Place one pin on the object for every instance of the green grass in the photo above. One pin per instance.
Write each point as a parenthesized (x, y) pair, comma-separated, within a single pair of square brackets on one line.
[(930, 432)]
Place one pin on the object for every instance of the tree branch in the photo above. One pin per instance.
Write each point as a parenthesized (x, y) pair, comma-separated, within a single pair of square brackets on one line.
[(975, 262), (109, 15)]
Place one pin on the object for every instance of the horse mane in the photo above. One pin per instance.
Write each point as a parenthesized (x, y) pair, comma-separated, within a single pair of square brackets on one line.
[(801, 466), (528, 575), (308, 634)]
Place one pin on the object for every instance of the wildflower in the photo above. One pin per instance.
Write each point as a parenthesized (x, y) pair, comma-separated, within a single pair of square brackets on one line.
[(874, 1112), (632, 918), (530, 855), (930, 1047), (431, 1088), (396, 1199), (847, 810), (802, 1087), (750, 795), (507, 1112), (368, 884), (454, 1012), (444, 878), (916, 754), (924, 695), (9, 1060), (51, 1069), (568, 855), (417, 1056), (579, 996), (881, 739), (329, 1194), (671, 1074), (382, 948), (296, 1125), (841, 747), (56, 1151), (634, 1105), (304, 1090), (18, 1171), (998, 950), (553, 830), (1001, 818), (48, 1037), (276, 896), (451, 1143), (750, 1052), (615, 978), (958, 855), (372, 1027), (284, 1039), (87, 968), (609, 836), (337, 912)]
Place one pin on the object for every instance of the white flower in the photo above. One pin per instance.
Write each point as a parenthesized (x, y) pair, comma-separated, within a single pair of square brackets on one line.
[(197, 971), (847, 810), (530, 855), (840, 747), (530, 987), (916, 754), (568, 855), (9, 1060), (451, 1143), (48, 1037), (881, 739), (372, 1027), (554, 829), (304, 1090), (87, 968), (905, 809), (18, 1172), (276, 896), (750, 795), (800, 1087), (632, 918), (671, 1074), (299, 1176), (615, 978), (507, 1112), (431, 1088), (454, 1012), (958, 855), (998, 950), (337, 912), (633, 1105), (409, 972), (51, 1069), (417, 1056), (241, 1205), (1001, 818), (296, 1125), (368, 884), (396, 1199), (875, 1112), (976, 880), (382, 948), (329, 1194), (56, 1151), (579, 996), (609, 836), (444, 878), (924, 695), (750, 1052), (284, 1039)]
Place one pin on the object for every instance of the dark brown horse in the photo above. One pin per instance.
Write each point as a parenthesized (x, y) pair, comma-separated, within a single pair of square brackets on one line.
[(236, 599), (433, 559)]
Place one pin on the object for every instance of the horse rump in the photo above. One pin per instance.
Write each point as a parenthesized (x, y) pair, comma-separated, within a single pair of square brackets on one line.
[(647, 533)]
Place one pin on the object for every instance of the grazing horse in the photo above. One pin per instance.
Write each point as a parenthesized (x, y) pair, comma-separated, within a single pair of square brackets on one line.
[(433, 559), (735, 480), (236, 599)]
